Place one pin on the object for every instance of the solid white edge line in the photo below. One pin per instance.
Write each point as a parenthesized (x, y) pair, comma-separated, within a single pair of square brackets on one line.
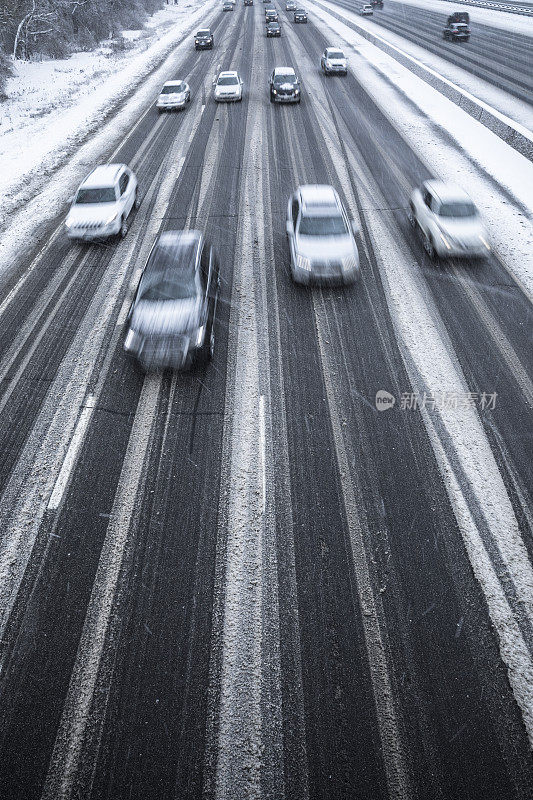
[(262, 451), (72, 454)]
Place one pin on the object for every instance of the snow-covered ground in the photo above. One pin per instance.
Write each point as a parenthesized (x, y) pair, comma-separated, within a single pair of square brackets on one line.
[(496, 98), (455, 146), (485, 16), (53, 106)]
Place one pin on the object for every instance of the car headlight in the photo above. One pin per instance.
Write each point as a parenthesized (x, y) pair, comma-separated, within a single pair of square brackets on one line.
[(303, 263), (328, 63), (111, 219), (349, 263), (199, 336), (133, 340), (296, 91), (69, 223)]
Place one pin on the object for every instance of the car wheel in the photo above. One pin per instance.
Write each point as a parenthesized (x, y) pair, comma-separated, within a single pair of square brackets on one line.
[(429, 247), (411, 218), (207, 350), (137, 201), (123, 228)]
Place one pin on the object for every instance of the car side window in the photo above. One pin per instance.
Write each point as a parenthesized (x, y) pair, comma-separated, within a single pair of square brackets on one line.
[(123, 183), (295, 209), (427, 198), (205, 259)]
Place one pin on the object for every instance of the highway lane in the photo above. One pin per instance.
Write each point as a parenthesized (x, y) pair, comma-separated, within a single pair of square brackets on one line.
[(380, 695), (500, 57)]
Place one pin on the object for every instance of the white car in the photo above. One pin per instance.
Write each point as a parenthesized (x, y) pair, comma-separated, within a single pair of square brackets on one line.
[(448, 220), (333, 62), (174, 94), (290, 5), (321, 237), (228, 87), (103, 203), (366, 11)]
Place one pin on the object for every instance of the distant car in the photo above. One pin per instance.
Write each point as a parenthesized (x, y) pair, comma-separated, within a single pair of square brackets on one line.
[(273, 29), (290, 5), (300, 15), (284, 86), (174, 94), (376, 3), (171, 321), (321, 237), (227, 6), (448, 221), (366, 11), (248, 2), (103, 203), (228, 87), (456, 32), (333, 62), (271, 15), (204, 40)]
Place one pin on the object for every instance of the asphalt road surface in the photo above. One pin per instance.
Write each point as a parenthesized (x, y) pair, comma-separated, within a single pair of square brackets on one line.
[(253, 584), (500, 57)]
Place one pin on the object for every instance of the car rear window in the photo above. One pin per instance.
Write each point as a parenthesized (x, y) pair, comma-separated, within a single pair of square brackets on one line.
[(87, 196), (322, 226), (170, 273), (457, 210), (178, 87), (228, 80)]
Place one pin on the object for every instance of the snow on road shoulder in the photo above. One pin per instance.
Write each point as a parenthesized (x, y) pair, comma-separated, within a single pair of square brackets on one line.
[(54, 106), (455, 147), (514, 23)]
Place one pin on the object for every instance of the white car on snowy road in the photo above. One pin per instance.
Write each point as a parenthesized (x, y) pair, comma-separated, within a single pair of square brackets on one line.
[(103, 203), (174, 94), (448, 220), (228, 87)]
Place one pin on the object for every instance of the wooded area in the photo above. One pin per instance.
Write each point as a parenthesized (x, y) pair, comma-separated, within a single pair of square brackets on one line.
[(55, 28)]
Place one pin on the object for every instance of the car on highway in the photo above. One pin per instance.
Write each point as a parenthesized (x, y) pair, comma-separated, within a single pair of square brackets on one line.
[(290, 5), (321, 237), (227, 6), (204, 40), (103, 203), (273, 29), (376, 3), (228, 87), (366, 11), (174, 95), (300, 15), (456, 32), (448, 220), (284, 86), (271, 15), (171, 321), (333, 62), (248, 2)]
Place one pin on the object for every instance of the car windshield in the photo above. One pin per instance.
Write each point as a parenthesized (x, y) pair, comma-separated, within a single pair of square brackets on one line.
[(103, 195), (203, 34), (228, 80), (284, 78), (273, 26), (458, 210), (335, 54), (170, 273), (178, 87), (322, 226)]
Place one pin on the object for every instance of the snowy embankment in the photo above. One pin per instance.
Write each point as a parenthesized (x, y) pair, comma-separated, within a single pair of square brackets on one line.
[(60, 117), (454, 146)]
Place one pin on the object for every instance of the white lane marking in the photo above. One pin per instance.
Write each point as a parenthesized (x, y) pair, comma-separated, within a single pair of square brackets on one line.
[(262, 453), (72, 454), (71, 735)]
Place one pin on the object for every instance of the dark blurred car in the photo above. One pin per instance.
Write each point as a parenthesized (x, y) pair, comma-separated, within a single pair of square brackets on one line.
[(376, 3), (203, 40), (300, 15), (271, 15), (248, 2), (170, 322), (456, 31), (273, 29)]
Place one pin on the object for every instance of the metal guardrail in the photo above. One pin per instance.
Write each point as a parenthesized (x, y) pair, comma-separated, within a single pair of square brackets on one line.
[(526, 11)]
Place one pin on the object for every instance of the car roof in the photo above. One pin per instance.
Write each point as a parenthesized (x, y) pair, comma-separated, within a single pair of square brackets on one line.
[(447, 192), (204, 30), (183, 247), (334, 47), (173, 83), (228, 74), (318, 198), (104, 175), (284, 71)]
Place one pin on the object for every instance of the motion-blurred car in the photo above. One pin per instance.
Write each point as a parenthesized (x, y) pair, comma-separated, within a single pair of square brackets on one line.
[(227, 6), (456, 30), (171, 320), (333, 62), (290, 5), (321, 237), (204, 40), (300, 15), (103, 203), (271, 15), (228, 87), (366, 11), (273, 29), (174, 94), (284, 86), (376, 3), (448, 220)]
